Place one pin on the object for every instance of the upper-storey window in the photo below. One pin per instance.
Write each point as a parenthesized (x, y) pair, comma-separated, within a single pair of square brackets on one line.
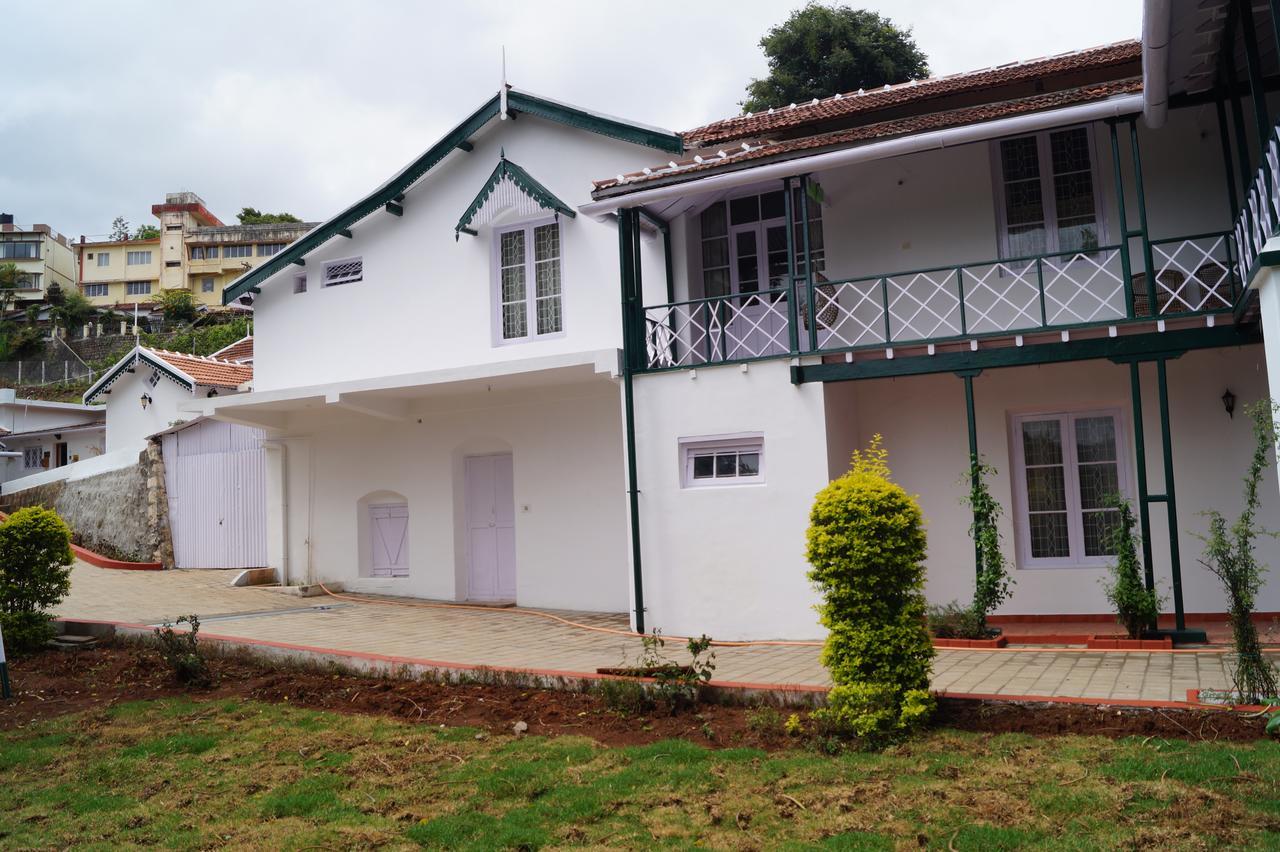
[(268, 249), (347, 271), (1046, 193), (237, 251), (19, 250), (204, 252), (137, 288), (528, 282), (137, 258), (744, 243), (104, 258), (96, 289)]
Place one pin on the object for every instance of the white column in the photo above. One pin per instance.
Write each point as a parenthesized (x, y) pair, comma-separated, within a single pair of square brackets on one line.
[(1267, 284)]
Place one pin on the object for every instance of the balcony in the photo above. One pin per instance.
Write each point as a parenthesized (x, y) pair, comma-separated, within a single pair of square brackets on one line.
[(1196, 276)]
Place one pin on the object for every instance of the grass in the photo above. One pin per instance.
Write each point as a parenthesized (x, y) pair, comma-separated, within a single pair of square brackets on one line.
[(180, 773)]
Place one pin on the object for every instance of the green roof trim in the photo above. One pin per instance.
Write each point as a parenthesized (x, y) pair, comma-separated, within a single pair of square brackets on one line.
[(389, 192), (506, 169), (128, 362)]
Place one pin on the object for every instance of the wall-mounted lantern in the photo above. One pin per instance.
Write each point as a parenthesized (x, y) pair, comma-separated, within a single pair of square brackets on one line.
[(1229, 403), (146, 400)]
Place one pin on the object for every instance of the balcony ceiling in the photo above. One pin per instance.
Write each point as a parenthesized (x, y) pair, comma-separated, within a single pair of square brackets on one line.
[(1196, 31)]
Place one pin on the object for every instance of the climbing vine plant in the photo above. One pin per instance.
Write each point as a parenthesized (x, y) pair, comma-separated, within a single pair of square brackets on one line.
[(994, 585)]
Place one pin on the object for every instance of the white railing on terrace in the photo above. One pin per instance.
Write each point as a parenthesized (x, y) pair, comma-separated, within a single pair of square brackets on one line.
[(1193, 275), (1259, 217)]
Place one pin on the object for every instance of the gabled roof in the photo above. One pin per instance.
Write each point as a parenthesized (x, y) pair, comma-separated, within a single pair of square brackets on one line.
[(392, 192), (186, 371), (1082, 67), (508, 175), (241, 351)]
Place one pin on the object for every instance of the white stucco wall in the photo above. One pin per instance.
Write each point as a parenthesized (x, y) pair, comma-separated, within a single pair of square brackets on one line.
[(566, 443), (729, 561), (426, 300), (922, 421), (80, 446), (129, 424)]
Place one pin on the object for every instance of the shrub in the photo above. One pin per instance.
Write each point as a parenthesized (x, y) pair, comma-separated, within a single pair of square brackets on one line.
[(765, 720), (178, 305), (675, 684), (955, 621), (629, 697), (1229, 555), (866, 546), (1137, 607), (181, 651), (35, 575)]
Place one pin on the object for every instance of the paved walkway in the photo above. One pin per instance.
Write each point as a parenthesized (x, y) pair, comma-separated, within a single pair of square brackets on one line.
[(507, 638)]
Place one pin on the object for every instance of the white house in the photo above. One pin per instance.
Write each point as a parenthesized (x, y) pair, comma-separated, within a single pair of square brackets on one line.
[(625, 393), (145, 390), (39, 435)]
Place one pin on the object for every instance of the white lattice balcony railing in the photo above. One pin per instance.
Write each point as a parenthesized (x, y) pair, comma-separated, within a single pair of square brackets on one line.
[(1193, 275), (1259, 217)]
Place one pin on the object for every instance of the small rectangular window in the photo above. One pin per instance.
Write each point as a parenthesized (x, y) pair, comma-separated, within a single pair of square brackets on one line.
[(104, 258), (343, 272), (206, 285), (31, 457), (299, 283), (96, 289), (268, 249), (137, 288), (529, 291), (172, 263), (173, 227), (137, 258), (237, 251), (722, 461)]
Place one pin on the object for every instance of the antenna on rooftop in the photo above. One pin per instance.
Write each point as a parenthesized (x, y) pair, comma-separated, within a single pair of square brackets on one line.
[(502, 91)]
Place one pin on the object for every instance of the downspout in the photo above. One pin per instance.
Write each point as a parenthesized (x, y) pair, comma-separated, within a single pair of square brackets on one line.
[(628, 265), (1155, 62)]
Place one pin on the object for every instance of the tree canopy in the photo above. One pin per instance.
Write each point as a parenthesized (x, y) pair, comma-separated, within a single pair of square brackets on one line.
[(251, 216), (120, 229), (821, 50), (146, 232)]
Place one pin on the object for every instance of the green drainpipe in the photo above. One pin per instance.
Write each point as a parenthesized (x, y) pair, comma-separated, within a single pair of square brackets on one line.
[(629, 269)]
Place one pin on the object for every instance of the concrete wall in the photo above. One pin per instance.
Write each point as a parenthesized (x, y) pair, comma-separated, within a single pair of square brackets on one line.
[(566, 443), (922, 421), (128, 423), (426, 299), (729, 561)]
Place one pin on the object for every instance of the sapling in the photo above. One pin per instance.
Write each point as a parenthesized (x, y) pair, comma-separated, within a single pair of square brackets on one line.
[(1230, 556), (1137, 607)]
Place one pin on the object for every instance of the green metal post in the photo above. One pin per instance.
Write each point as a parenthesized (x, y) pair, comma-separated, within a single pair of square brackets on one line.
[(789, 207), (629, 268), (1224, 135), (1257, 94), (1140, 450), (1125, 266), (1171, 504), (972, 421), (5, 692), (964, 325), (1142, 218), (808, 262), (1237, 121)]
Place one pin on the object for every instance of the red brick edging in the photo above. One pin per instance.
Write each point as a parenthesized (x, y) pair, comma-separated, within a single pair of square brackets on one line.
[(106, 562), (1118, 643), (997, 642)]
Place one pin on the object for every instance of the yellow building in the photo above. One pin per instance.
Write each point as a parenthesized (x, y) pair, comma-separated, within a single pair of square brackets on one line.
[(42, 255), (195, 251)]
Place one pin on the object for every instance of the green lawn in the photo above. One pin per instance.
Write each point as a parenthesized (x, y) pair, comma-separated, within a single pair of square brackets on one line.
[(244, 774)]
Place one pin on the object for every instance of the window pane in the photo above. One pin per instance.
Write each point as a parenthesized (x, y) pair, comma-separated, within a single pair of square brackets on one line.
[(1069, 150), (1099, 485), (513, 248), (513, 284), (703, 467), (748, 262), (716, 282), (1098, 529), (748, 464), (744, 210), (1049, 536), (1019, 159), (714, 222), (515, 322), (1023, 202), (727, 465), (1046, 489), (1027, 240), (1095, 439), (549, 319), (715, 253), (772, 205), (1042, 442)]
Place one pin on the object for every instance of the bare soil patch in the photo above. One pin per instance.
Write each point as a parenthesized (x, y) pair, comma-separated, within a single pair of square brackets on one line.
[(58, 682)]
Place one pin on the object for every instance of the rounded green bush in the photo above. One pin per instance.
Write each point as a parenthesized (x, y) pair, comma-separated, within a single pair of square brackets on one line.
[(35, 555), (866, 546)]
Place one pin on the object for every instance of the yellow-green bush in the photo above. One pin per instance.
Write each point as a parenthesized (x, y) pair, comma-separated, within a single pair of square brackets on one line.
[(866, 546), (35, 552)]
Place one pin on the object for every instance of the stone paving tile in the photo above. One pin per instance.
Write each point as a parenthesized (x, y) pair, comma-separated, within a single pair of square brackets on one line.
[(506, 638)]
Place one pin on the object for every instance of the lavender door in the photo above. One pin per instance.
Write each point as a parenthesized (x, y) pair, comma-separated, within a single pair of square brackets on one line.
[(491, 528), (389, 535)]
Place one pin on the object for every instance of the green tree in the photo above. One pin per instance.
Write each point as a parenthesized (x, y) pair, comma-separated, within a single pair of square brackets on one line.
[(1137, 607), (120, 229), (73, 311), (866, 546), (251, 216), (146, 232), (821, 50), (9, 275), (179, 305)]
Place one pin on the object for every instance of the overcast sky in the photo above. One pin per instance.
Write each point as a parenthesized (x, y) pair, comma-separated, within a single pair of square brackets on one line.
[(303, 106)]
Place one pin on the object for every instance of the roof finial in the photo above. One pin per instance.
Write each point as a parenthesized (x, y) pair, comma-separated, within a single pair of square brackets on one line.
[(502, 91)]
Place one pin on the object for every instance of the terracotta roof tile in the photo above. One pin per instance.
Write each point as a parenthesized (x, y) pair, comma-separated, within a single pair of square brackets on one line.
[(868, 132), (241, 351), (207, 370), (843, 106)]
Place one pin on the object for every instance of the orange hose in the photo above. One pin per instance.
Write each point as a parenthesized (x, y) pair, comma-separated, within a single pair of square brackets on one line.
[(560, 619)]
